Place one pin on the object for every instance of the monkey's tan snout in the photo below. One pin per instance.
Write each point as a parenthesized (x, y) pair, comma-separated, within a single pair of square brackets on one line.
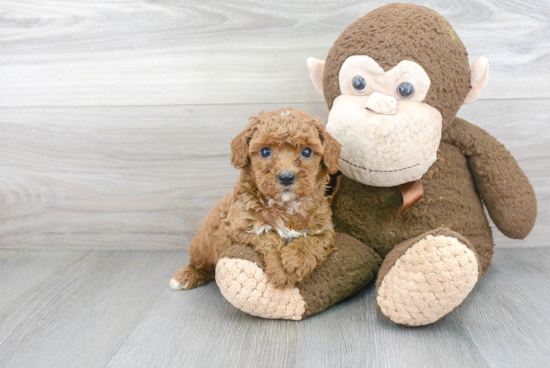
[(382, 104)]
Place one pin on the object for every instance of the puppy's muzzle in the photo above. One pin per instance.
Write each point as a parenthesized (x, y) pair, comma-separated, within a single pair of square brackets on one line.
[(286, 178)]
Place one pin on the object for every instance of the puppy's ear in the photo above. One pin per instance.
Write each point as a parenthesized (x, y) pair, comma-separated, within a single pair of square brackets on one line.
[(331, 158), (332, 153), (239, 150), (239, 145)]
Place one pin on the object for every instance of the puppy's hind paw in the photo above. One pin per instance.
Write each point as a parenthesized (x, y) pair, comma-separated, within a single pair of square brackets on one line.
[(190, 277), (176, 285)]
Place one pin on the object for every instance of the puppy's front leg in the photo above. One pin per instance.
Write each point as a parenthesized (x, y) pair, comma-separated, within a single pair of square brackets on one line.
[(269, 245), (301, 256)]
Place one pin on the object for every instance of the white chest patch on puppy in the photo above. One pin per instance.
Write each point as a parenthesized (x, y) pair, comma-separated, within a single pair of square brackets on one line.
[(265, 228), (289, 235)]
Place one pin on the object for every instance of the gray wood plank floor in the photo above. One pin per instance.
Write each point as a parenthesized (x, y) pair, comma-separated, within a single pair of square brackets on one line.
[(78, 308)]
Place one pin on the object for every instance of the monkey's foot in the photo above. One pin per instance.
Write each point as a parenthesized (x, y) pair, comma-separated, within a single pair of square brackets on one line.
[(424, 279), (242, 281), (244, 284)]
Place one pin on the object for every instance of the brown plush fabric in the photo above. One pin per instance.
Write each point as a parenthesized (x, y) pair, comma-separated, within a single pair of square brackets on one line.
[(397, 32), (371, 214), (352, 265), (241, 251), (506, 191)]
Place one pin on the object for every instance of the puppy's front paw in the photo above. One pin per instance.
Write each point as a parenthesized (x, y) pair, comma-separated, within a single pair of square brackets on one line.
[(281, 280), (295, 261), (277, 276), (190, 277)]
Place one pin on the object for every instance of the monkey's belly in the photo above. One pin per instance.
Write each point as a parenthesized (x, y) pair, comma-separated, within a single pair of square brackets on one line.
[(370, 214)]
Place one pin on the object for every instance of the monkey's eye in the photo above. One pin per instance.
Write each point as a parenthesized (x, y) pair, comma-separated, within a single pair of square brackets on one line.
[(307, 152), (405, 90), (359, 83), (265, 152)]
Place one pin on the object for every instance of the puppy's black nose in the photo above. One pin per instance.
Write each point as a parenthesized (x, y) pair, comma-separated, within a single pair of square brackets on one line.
[(286, 178)]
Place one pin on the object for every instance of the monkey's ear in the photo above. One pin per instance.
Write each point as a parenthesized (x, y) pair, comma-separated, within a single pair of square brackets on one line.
[(316, 69), (479, 75)]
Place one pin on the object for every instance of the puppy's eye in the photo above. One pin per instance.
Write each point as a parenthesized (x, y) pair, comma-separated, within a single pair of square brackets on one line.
[(265, 152), (307, 153), (359, 83), (405, 90)]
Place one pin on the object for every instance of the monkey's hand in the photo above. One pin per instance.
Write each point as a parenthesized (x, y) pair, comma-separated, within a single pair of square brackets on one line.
[(504, 188)]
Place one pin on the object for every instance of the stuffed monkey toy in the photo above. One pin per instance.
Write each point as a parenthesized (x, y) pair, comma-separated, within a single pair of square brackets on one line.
[(408, 205)]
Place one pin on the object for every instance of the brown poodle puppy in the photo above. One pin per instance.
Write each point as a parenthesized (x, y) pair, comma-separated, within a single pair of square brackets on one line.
[(278, 206)]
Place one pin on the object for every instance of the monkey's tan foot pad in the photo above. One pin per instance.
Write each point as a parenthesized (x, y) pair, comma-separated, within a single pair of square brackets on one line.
[(242, 281), (424, 279), (245, 285)]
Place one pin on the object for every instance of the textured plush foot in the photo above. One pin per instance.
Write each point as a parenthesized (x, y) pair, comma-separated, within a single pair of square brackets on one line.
[(245, 285), (426, 278), (189, 277)]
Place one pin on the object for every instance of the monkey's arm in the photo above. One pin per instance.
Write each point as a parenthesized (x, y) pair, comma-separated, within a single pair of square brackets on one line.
[(504, 188)]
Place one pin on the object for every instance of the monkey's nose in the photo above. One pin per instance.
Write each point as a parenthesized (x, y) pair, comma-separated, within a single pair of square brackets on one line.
[(286, 178), (382, 104)]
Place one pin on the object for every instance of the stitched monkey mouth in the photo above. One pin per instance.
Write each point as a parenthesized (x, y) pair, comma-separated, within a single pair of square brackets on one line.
[(371, 170)]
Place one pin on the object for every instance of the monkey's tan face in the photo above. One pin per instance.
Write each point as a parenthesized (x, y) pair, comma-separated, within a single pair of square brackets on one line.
[(388, 135)]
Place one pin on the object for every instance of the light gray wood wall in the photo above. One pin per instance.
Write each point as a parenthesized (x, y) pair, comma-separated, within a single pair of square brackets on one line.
[(116, 117)]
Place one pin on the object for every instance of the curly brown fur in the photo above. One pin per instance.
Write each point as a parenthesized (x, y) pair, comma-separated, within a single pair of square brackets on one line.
[(290, 226)]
